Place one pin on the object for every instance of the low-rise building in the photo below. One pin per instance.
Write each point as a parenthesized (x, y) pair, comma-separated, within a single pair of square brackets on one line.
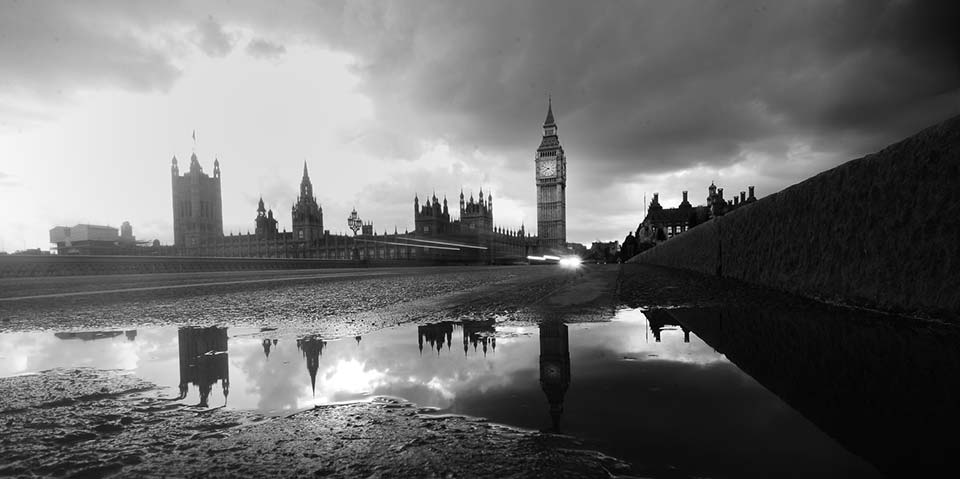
[(84, 239), (661, 223)]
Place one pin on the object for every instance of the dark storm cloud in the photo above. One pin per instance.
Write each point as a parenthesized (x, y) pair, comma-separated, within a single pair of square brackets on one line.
[(260, 48), (213, 39), (53, 48), (638, 87), (654, 87)]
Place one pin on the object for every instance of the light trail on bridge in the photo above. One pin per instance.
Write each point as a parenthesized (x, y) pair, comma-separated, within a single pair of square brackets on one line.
[(449, 244), (409, 244), (213, 283)]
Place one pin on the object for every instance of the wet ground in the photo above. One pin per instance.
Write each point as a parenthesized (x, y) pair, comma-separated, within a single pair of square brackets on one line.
[(519, 371), (329, 302)]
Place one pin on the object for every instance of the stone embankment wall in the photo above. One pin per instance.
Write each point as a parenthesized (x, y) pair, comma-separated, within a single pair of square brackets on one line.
[(882, 231)]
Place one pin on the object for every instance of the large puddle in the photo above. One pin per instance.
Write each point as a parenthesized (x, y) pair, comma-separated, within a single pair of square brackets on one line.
[(646, 387)]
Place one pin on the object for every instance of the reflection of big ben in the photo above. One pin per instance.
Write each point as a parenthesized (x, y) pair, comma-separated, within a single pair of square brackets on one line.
[(554, 366), (203, 361)]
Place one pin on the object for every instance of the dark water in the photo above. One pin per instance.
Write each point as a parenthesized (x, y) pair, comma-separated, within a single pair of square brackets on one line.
[(672, 391)]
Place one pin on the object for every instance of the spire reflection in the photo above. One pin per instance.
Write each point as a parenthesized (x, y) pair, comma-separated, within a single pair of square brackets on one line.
[(479, 333), (312, 349), (203, 361), (435, 334), (266, 347)]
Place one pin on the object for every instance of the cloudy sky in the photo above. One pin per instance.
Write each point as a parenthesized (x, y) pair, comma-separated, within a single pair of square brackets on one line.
[(385, 100)]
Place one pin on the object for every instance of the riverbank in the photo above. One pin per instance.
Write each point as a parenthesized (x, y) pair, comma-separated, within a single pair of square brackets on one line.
[(90, 423)]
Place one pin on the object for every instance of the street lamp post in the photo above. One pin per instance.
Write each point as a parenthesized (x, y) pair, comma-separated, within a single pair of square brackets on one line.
[(354, 221)]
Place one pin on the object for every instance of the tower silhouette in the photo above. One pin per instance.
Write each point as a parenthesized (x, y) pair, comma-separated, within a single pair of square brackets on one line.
[(435, 335), (312, 348), (551, 176), (479, 333), (307, 213), (197, 210), (554, 366), (203, 361)]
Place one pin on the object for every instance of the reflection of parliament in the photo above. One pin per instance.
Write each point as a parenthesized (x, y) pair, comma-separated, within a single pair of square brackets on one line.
[(204, 363), (438, 236)]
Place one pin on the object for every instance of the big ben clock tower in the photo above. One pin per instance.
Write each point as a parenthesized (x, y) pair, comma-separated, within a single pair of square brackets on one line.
[(551, 167)]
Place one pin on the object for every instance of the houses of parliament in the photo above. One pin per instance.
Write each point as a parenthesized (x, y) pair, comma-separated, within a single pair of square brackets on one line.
[(438, 237)]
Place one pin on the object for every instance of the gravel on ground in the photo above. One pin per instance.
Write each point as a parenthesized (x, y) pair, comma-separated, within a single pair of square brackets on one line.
[(93, 423)]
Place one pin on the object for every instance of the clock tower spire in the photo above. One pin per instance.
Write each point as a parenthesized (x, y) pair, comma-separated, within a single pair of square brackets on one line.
[(551, 177)]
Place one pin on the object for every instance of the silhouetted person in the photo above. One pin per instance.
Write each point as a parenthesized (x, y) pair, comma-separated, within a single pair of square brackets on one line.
[(629, 248)]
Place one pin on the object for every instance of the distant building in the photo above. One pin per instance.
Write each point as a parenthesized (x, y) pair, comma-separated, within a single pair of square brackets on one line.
[(472, 237), (603, 252), (474, 226), (28, 252), (98, 240), (366, 229), (476, 216), (197, 211), (577, 249), (719, 206), (433, 218), (661, 223), (85, 239), (126, 233), (266, 225), (307, 214)]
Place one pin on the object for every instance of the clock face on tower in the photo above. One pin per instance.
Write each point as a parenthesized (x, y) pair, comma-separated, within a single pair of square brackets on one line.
[(547, 168), (551, 371)]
